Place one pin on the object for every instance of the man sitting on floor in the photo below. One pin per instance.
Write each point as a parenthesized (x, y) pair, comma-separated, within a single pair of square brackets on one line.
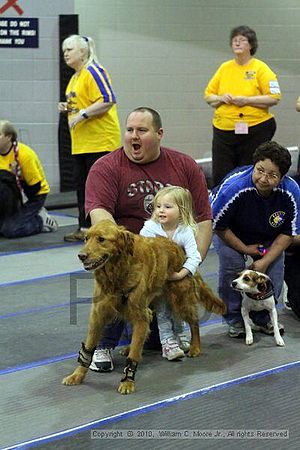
[(23, 188)]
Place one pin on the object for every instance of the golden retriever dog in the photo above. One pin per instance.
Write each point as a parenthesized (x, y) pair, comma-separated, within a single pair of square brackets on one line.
[(131, 272)]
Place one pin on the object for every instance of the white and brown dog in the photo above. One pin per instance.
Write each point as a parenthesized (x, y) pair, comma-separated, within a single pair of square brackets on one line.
[(257, 294)]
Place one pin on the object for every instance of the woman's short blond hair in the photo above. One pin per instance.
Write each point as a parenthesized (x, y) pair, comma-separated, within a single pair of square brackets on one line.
[(87, 45)]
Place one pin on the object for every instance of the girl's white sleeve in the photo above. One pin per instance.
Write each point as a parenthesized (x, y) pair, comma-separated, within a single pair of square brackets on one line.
[(193, 257)]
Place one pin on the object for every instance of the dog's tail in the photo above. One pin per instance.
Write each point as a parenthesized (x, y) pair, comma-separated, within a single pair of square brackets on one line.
[(207, 298)]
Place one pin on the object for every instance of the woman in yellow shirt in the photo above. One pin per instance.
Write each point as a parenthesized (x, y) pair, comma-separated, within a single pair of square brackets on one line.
[(241, 92), (92, 116)]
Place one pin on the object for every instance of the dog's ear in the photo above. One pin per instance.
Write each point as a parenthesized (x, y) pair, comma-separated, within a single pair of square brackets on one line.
[(127, 239), (261, 287), (261, 283)]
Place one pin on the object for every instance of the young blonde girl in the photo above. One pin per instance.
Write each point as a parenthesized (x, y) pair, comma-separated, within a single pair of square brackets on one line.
[(173, 218)]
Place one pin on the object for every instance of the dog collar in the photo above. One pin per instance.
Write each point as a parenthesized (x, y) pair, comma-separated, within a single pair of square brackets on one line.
[(268, 292)]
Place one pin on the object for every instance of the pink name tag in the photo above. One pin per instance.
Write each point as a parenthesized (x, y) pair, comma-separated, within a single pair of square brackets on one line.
[(241, 128)]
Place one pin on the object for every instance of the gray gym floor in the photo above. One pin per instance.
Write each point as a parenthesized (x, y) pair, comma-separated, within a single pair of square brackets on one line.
[(230, 397)]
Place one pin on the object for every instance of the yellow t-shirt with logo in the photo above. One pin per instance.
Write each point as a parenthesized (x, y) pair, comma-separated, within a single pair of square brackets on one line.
[(98, 133), (32, 170), (252, 79)]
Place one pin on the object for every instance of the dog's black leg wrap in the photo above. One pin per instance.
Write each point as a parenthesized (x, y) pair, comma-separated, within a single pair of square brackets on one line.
[(85, 356), (129, 370)]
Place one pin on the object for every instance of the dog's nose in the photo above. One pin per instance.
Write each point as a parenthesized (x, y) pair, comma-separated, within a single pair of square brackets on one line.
[(82, 256), (234, 283)]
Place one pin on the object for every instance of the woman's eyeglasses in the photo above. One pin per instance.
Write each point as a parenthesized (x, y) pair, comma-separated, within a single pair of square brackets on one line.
[(269, 176), (239, 40)]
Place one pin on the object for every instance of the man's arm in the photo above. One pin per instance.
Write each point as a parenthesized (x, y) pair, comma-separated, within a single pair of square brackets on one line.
[(204, 237), (296, 240), (98, 214)]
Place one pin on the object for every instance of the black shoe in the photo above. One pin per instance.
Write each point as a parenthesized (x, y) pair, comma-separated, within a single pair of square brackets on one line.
[(236, 331), (268, 329)]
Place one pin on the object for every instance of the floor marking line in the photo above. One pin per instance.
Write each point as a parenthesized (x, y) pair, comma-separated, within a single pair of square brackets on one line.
[(55, 359), (39, 249), (153, 406), (42, 309), (41, 278)]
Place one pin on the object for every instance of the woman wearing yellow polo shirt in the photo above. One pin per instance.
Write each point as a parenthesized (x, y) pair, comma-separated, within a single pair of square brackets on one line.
[(241, 91), (92, 116)]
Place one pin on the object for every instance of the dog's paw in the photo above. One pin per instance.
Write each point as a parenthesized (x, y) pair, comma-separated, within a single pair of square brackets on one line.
[(193, 352), (249, 341), (125, 350), (280, 342), (126, 387), (72, 380)]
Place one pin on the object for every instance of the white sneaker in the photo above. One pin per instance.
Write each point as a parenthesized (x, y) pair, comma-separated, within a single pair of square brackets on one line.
[(171, 350), (49, 224), (183, 342), (284, 294), (102, 360)]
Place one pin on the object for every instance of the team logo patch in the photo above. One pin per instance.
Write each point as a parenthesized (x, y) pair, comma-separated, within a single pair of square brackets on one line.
[(277, 219)]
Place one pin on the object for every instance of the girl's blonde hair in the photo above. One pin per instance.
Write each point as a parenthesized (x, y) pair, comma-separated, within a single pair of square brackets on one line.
[(183, 200), (86, 43)]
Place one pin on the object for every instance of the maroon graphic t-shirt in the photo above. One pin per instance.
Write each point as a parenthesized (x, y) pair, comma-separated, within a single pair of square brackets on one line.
[(126, 189)]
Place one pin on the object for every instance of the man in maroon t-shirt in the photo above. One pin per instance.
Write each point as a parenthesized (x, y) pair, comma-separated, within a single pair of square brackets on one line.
[(122, 185)]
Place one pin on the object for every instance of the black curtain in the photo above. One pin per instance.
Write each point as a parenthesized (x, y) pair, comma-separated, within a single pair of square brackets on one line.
[(68, 24)]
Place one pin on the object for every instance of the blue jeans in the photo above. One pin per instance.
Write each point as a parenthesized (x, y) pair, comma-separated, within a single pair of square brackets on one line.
[(26, 221), (112, 334), (168, 325), (231, 263)]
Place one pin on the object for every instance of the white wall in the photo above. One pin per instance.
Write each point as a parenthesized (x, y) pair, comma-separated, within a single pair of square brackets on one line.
[(160, 53), (29, 82)]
